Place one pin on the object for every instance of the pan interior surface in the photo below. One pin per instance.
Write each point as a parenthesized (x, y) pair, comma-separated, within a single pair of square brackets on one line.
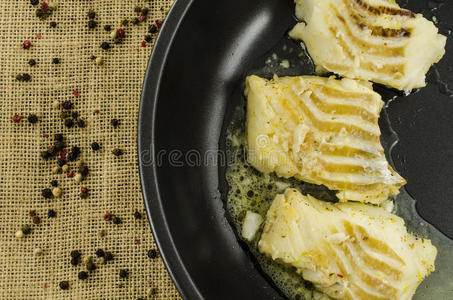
[(193, 86)]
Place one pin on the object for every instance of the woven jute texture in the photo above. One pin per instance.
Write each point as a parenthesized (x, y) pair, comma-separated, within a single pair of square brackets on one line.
[(114, 89)]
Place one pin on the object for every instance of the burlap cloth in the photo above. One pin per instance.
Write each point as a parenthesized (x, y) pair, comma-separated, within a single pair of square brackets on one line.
[(114, 89)]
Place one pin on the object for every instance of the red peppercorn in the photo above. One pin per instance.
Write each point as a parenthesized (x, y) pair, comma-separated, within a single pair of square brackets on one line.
[(142, 18), (138, 242), (143, 43), (32, 213), (96, 112), (63, 153), (38, 35), (26, 44), (158, 23), (120, 32), (44, 6), (76, 93), (83, 189), (44, 286), (70, 175), (17, 118), (339, 275), (107, 216)]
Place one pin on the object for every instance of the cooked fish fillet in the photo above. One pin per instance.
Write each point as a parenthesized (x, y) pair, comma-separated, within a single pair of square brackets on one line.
[(370, 40), (320, 130), (347, 250)]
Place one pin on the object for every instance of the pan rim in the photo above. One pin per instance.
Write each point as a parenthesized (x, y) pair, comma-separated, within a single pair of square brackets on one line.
[(145, 142)]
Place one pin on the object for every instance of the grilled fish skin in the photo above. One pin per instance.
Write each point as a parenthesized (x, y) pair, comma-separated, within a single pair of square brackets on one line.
[(320, 130), (347, 250), (370, 40)]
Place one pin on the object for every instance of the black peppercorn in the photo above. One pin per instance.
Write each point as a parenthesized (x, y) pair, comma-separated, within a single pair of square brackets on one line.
[(75, 114), (117, 152), (137, 215), (95, 146), (64, 285), (116, 220), (69, 123), (92, 24), (53, 24), (115, 123), (59, 145), (32, 62), (145, 11), (135, 21), (55, 60), (58, 137), (36, 220), (54, 183), (81, 123), (91, 266), (67, 104), (82, 275), (45, 155), (74, 153), (152, 28), (26, 77), (107, 27), (19, 77), (124, 22), (61, 162), (124, 273), (91, 14), (148, 38), (75, 261), (152, 254), (105, 46), (32, 118), (47, 193), (83, 170), (26, 229), (100, 253), (34, 2), (108, 256), (75, 254), (51, 213)]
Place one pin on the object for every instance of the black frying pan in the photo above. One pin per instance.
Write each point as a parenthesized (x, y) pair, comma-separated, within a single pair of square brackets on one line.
[(194, 80)]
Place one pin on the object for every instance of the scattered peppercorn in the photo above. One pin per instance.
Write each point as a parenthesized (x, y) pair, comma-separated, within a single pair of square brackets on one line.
[(99, 61), (116, 220), (47, 193), (100, 253), (152, 28), (61, 161), (34, 2), (108, 256), (56, 192), (121, 33), (143, 44), (75, 114), (105, 46), (32, 62), (115, 123), (107, 27), (142, 18), (107, 216), (53, 24), (81, 123), (74, 154), (117, 152), (54, 183), (137, 215), (65, 169), (75, 261), (37, 251), (17, 118), (124, 273), (91, 14), (51, 213), (92, 24), (36, 220), (32, 213), (91, 266), (158, 23), (67, 104), (152, 253), (19, 234), (64, 285), (32, 118), (95, 146), (69, 123), (82, 275), (26, 44), (55, 60), (148, 38), (23, 77), (145, 11), (135, 21), (26, 229)]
